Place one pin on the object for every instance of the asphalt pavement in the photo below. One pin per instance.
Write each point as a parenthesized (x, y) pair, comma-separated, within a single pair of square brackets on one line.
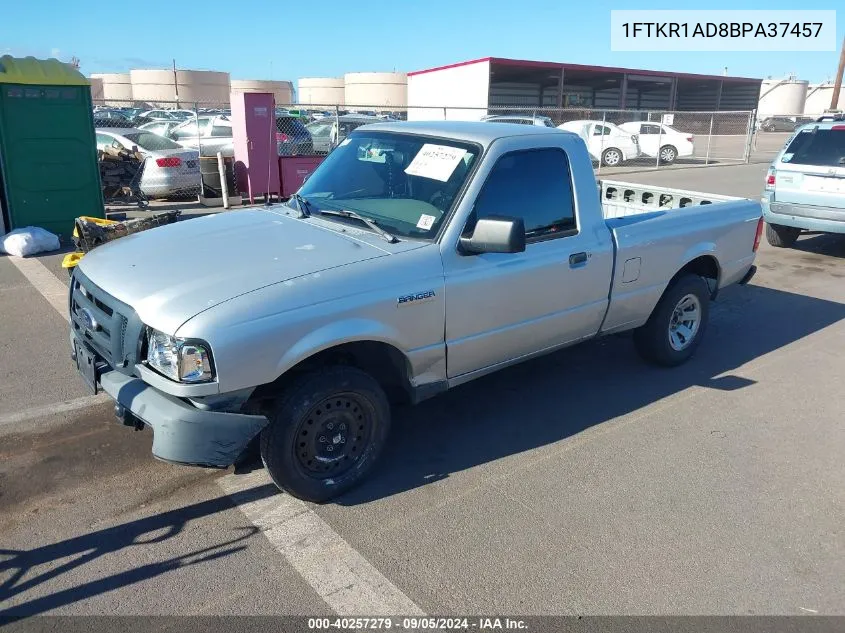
[(584, 482)]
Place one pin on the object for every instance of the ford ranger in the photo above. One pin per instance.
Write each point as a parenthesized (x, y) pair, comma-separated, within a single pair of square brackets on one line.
[(417, 257)]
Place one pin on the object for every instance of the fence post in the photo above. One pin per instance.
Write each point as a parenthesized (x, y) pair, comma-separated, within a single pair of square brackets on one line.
[(444, 113), (749, 136), (601, 143), (336, 127), (199, 144), (709, 138), (659, 136)]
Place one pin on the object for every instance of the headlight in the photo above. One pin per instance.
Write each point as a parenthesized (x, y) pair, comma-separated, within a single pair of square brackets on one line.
[(183, 360)]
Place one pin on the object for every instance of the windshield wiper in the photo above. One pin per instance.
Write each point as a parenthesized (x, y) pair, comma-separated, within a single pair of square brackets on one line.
[(344, 213), (301, 205)]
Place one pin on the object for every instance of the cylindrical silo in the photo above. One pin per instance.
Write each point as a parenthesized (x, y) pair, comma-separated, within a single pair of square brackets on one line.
[(117, 88), (324, 91), (818, 99), (164, 87), (282, 90), (782, 96), (96, 90), (376, 90)]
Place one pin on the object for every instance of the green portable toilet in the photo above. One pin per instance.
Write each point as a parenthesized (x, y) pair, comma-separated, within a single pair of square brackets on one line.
[(48, 153)]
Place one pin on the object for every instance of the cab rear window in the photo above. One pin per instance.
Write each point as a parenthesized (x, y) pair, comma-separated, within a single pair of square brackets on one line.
[(824, 147)]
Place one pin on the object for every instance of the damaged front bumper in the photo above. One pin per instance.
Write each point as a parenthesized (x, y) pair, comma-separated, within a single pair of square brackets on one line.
[(182, 433)]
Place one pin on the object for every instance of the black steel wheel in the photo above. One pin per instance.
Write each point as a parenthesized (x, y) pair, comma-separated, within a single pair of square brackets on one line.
[(332, 435), (325, 433)]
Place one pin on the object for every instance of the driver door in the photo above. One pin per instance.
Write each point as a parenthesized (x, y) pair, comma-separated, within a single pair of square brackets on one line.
[(503, 306)]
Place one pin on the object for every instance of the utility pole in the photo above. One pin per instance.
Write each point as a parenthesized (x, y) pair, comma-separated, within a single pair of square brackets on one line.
[(837, 86)]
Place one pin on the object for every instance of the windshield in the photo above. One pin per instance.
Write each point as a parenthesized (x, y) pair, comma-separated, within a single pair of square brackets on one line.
[(152, 142), (817, 147), (406, 183)]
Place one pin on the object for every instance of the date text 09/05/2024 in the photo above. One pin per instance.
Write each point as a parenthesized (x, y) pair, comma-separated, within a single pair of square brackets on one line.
[(722, 29), (417, 623)]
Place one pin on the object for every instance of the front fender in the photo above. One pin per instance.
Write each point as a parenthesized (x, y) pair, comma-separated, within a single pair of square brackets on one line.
[(334, 334)]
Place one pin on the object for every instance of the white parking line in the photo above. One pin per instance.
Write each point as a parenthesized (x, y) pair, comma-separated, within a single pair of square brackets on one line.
[(45, 282), (344, 579), (51, 409), (56, 294)]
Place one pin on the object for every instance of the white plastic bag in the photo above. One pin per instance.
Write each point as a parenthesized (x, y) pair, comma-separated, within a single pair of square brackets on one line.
[(28, 241)]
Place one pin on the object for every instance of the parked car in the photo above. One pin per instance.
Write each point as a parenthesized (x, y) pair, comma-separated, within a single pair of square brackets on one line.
[(111, 118), (783, 123), (292, 137), (325, 135), (805, 184), (162, 128), (654, 138), (169, 169), (526, 119), (467, 248), (182, 115), (158, 115), (607, 143), (208, 134)]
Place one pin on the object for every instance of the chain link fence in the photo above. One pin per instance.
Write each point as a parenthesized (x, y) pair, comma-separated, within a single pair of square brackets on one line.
[(171, 150)]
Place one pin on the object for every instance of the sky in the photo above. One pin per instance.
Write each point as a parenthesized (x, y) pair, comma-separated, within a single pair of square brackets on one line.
[(290, 40)]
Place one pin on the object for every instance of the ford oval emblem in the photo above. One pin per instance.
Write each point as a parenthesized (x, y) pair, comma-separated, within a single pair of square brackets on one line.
[(88, 320)]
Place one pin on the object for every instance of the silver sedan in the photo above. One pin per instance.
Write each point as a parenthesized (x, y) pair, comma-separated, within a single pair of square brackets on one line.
[(169, 168)]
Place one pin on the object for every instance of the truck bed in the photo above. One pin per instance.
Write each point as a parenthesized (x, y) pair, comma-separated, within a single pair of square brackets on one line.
[(658, 227)]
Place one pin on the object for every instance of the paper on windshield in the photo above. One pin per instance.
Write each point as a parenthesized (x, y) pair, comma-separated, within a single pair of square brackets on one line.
[(425, 222), (435, 161)]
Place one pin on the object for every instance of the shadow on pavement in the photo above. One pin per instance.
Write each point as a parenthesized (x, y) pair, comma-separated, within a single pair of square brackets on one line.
[(822, 244), (557, 396), (88, 547)]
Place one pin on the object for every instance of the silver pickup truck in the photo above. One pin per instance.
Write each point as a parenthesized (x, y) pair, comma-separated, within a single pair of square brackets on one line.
[(417, 257)]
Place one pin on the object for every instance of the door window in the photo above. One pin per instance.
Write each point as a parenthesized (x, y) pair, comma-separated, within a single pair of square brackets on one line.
[(535, 185), (601, 130), (649, 129)]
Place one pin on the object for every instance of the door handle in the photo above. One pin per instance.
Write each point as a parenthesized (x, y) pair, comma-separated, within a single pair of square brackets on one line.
[(577, 258)]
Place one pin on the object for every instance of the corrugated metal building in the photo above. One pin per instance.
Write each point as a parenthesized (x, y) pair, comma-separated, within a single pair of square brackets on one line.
[(495, 81)]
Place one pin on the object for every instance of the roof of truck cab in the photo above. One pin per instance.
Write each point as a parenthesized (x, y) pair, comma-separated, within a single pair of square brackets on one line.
[(473, 131)]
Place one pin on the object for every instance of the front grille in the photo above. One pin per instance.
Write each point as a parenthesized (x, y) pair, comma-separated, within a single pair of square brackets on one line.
[(108, 326)]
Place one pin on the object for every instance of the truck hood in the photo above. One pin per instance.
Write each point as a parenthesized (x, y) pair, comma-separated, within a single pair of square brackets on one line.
[(172, 273)]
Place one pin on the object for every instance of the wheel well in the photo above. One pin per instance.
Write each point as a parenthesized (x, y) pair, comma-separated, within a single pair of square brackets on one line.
[(704, 266), (382, 361)]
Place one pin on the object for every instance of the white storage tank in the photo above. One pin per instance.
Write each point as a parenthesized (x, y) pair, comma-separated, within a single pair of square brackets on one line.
[(117, 88), (282, 90), (328, 91), (96, 89), (159, 87), (782, 96), (819, 96), (377, 90)]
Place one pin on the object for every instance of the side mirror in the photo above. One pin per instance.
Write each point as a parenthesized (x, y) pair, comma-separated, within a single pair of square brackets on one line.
[(495, 234)]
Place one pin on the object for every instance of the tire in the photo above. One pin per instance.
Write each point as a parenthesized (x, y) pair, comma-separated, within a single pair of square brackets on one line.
[(611, 157), (668, 154), (781, 236), (314, 452), (655, 342)]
